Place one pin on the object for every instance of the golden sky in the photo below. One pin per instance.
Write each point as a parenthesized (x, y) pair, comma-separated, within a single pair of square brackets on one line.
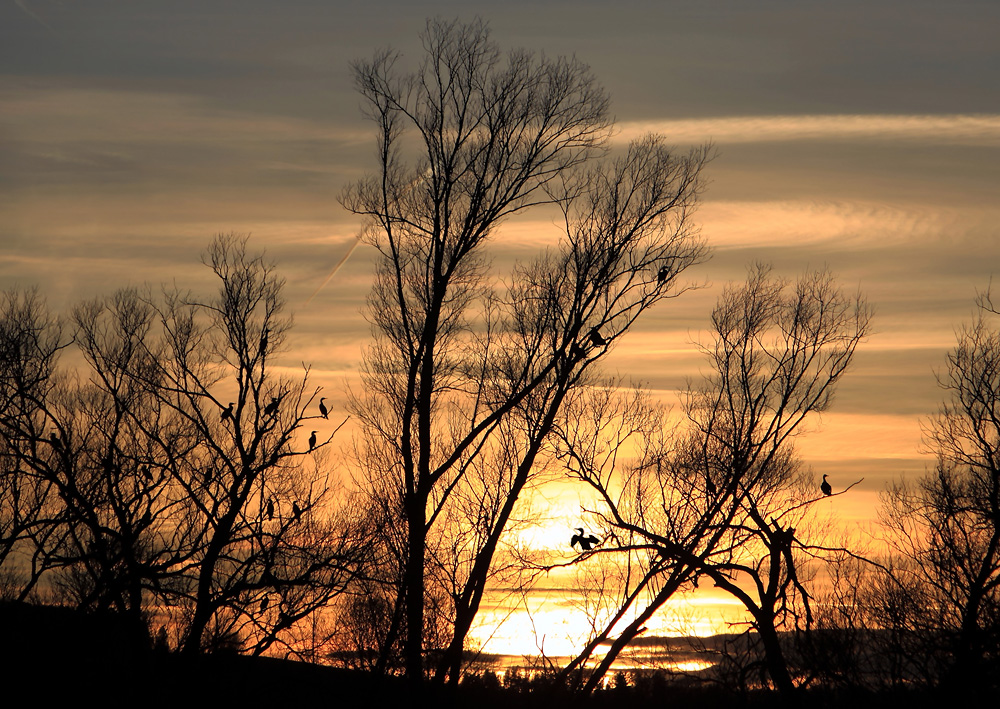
[(864, 136)]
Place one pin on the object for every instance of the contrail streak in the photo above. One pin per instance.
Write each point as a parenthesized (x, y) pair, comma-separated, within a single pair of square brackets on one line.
[(341, 262), (21, 4)]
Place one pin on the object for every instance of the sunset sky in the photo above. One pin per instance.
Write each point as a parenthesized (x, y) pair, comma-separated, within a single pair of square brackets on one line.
[(863, 136)]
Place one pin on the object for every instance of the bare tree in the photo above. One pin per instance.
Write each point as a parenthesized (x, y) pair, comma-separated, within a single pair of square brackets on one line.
[(725, 501), (947, 524), (261, 558), (176, 486), (456, 357), (31, 341)]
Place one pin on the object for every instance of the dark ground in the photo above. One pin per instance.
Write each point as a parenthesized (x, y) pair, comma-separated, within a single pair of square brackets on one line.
[(57, 657)]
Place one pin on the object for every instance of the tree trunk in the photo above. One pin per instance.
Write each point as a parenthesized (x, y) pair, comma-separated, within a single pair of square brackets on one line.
[(774, 659), (414, 582)]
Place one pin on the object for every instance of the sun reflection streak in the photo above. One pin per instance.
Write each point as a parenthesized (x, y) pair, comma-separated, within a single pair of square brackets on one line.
[(550, 623)]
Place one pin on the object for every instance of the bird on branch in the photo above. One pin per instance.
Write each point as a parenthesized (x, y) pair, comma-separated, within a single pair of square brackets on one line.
[(586, 542), (825, 487), (272, 408), (312, 441), (597, 339), (227, 413), (322, 408)]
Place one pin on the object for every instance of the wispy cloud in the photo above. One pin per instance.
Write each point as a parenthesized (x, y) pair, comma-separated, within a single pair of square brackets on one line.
[(62, 114), (969, 129), (849, 225)]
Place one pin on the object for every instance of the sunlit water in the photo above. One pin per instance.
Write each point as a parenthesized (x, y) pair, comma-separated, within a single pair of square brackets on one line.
[(555, 624)]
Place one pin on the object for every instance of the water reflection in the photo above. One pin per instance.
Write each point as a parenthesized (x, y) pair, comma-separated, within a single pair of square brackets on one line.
[(547, 627)]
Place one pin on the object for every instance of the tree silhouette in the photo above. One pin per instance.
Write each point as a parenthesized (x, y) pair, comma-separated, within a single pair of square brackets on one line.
[(946, 526), (156, 506), (469, 139), (724, 498)]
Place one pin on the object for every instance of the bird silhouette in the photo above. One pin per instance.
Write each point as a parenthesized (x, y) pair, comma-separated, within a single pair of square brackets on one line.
[(263, 341), (710, 487), (576, 352), (662, 274), (264, 602), (312, 440), (597, 339), (825, 487), (55, 440), (296, 511), (586, 543), (227, 412), (270, 509), (322, 407), (272, 408)]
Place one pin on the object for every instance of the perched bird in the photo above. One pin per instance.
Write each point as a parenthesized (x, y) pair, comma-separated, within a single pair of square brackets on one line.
[(146, 472), (586, 543), (227, 413), (710, 487), (264, 603), (263, 341), (322, 408), (296, 511), (576, 352), (55, 440), (597, 339), (662, 274), (270, 509), (272, 408), (312, 440), (825, 487)]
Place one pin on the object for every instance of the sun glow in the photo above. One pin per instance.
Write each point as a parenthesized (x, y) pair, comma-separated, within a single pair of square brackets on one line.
[(558, 622)]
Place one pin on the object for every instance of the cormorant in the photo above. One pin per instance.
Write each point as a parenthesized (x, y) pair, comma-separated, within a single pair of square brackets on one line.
[(662, 274), (825, 487), (264, 603), (55, 440), (586, 543), (597, 339), (227, 412), (263, 341), (270, 509), (322, 407), (296, 511), (710, 486), (272, 408), (576, 352), (312, 440)]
